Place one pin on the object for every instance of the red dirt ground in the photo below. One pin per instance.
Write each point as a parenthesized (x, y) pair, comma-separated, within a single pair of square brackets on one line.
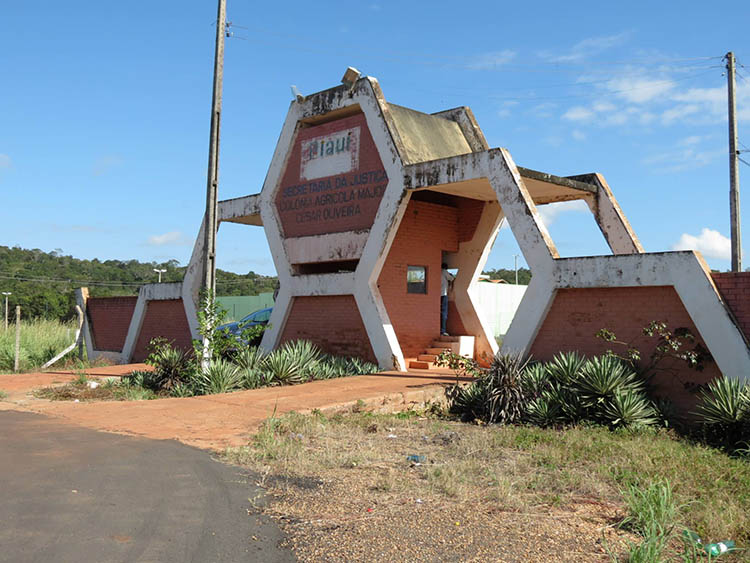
[(218, 421)]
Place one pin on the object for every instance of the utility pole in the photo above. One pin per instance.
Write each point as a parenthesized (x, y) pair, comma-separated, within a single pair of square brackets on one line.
[(515, 264), (212, 183), (734, 175), (159, 271)]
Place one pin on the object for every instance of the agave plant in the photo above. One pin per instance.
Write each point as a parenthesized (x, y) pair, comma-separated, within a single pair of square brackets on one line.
[(171, 365), (565, 367), (601, 377), (284, 368), (220, 376), (305, 353), (535, 379), (497, 396), (545, 410), (250, 358), (628, 408), (724, 409)]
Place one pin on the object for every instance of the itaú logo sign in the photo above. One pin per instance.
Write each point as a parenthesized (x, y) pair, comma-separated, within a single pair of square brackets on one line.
[(329, 155)]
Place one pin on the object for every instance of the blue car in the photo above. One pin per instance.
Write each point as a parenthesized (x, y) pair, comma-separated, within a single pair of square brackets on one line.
[(256, 318)]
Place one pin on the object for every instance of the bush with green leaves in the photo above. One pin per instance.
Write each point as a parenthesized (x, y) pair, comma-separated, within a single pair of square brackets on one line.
[(566, 390), (180, 374), (219, 376), (172, 366), (724, 413), (497, 395)]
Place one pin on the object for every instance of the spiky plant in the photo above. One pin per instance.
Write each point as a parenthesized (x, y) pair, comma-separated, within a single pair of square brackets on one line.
[(306, 354), (250, 358), (565, 367), (497, 396), (171, 365), (545, 411), (629, 408), (284, 368), (724, 411), (599, 379), (535, 379), (220, 376)]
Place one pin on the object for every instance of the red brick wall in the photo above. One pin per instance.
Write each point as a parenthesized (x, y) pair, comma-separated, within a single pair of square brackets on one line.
[(735, 289), (577, 314), (425, 231), (469, 213), (166, 319), (109, 320), (333, 322)]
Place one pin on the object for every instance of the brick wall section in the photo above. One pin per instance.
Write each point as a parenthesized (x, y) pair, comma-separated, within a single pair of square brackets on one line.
[(166, 319), (469, 213), (333, 322), (735, 289), (455, 325), (425, 231), (577, 314), (109, 320)]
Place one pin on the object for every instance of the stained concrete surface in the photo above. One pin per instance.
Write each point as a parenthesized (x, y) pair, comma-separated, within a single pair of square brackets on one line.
[(74, 494)]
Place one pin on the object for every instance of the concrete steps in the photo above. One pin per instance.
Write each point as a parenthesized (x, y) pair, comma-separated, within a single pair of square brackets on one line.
[(462, 345)]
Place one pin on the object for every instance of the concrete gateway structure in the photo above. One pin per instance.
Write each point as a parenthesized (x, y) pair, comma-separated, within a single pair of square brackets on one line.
[(365, 199)]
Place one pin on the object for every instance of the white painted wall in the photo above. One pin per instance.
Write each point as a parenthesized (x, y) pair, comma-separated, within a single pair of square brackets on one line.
[(497, 304)]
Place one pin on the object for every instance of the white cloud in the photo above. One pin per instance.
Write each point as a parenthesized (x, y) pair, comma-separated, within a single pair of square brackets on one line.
[(172, 237), (505, 110), (710, 243), (683, 158), (689, 141), (586, 47), (603, 106), (544, 109), (5, 161), (638, 89), (578, 135), (578, 113), (679, 113), (492, 60), (551, 211)]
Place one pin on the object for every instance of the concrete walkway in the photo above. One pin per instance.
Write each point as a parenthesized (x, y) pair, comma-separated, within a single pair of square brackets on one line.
[(219, 421)]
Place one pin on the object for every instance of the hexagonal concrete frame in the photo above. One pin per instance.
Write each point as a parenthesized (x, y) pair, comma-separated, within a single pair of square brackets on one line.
[(446, 155)]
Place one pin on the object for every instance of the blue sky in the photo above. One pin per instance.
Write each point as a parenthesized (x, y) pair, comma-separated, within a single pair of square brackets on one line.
[(106, 106)]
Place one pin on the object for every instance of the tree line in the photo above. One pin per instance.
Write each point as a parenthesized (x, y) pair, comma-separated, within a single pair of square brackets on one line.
[(44, 283)]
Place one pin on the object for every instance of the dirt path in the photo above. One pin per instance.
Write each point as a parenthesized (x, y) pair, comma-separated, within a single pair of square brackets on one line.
[(218, 421)]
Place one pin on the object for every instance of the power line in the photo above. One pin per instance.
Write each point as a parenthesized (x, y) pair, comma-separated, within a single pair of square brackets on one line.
[(463, 60), (107, 283)]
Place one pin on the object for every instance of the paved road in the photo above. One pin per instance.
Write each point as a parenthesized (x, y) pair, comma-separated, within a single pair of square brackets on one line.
[(73, 494)]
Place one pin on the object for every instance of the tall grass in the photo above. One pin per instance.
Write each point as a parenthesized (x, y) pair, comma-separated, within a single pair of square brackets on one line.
[(41, 340)]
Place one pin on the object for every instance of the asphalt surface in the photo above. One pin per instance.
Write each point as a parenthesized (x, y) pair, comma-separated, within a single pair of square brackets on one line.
[(72, 494)]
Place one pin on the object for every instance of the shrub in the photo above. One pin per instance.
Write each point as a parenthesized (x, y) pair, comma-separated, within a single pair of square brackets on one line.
[(283, 368), (172, 366), (220, 376), (724, 411), (497, 396), (567, 389)]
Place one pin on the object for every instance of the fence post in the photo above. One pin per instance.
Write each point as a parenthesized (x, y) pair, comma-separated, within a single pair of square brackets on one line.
[(18, 337)]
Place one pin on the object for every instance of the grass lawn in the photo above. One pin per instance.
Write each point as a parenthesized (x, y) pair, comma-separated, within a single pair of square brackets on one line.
[(345, 489)]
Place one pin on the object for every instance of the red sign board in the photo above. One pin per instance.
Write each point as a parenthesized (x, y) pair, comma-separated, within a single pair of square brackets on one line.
[(333, 181)]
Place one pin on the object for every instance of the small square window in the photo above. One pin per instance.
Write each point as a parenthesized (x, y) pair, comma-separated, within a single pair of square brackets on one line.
[(416, 279)]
